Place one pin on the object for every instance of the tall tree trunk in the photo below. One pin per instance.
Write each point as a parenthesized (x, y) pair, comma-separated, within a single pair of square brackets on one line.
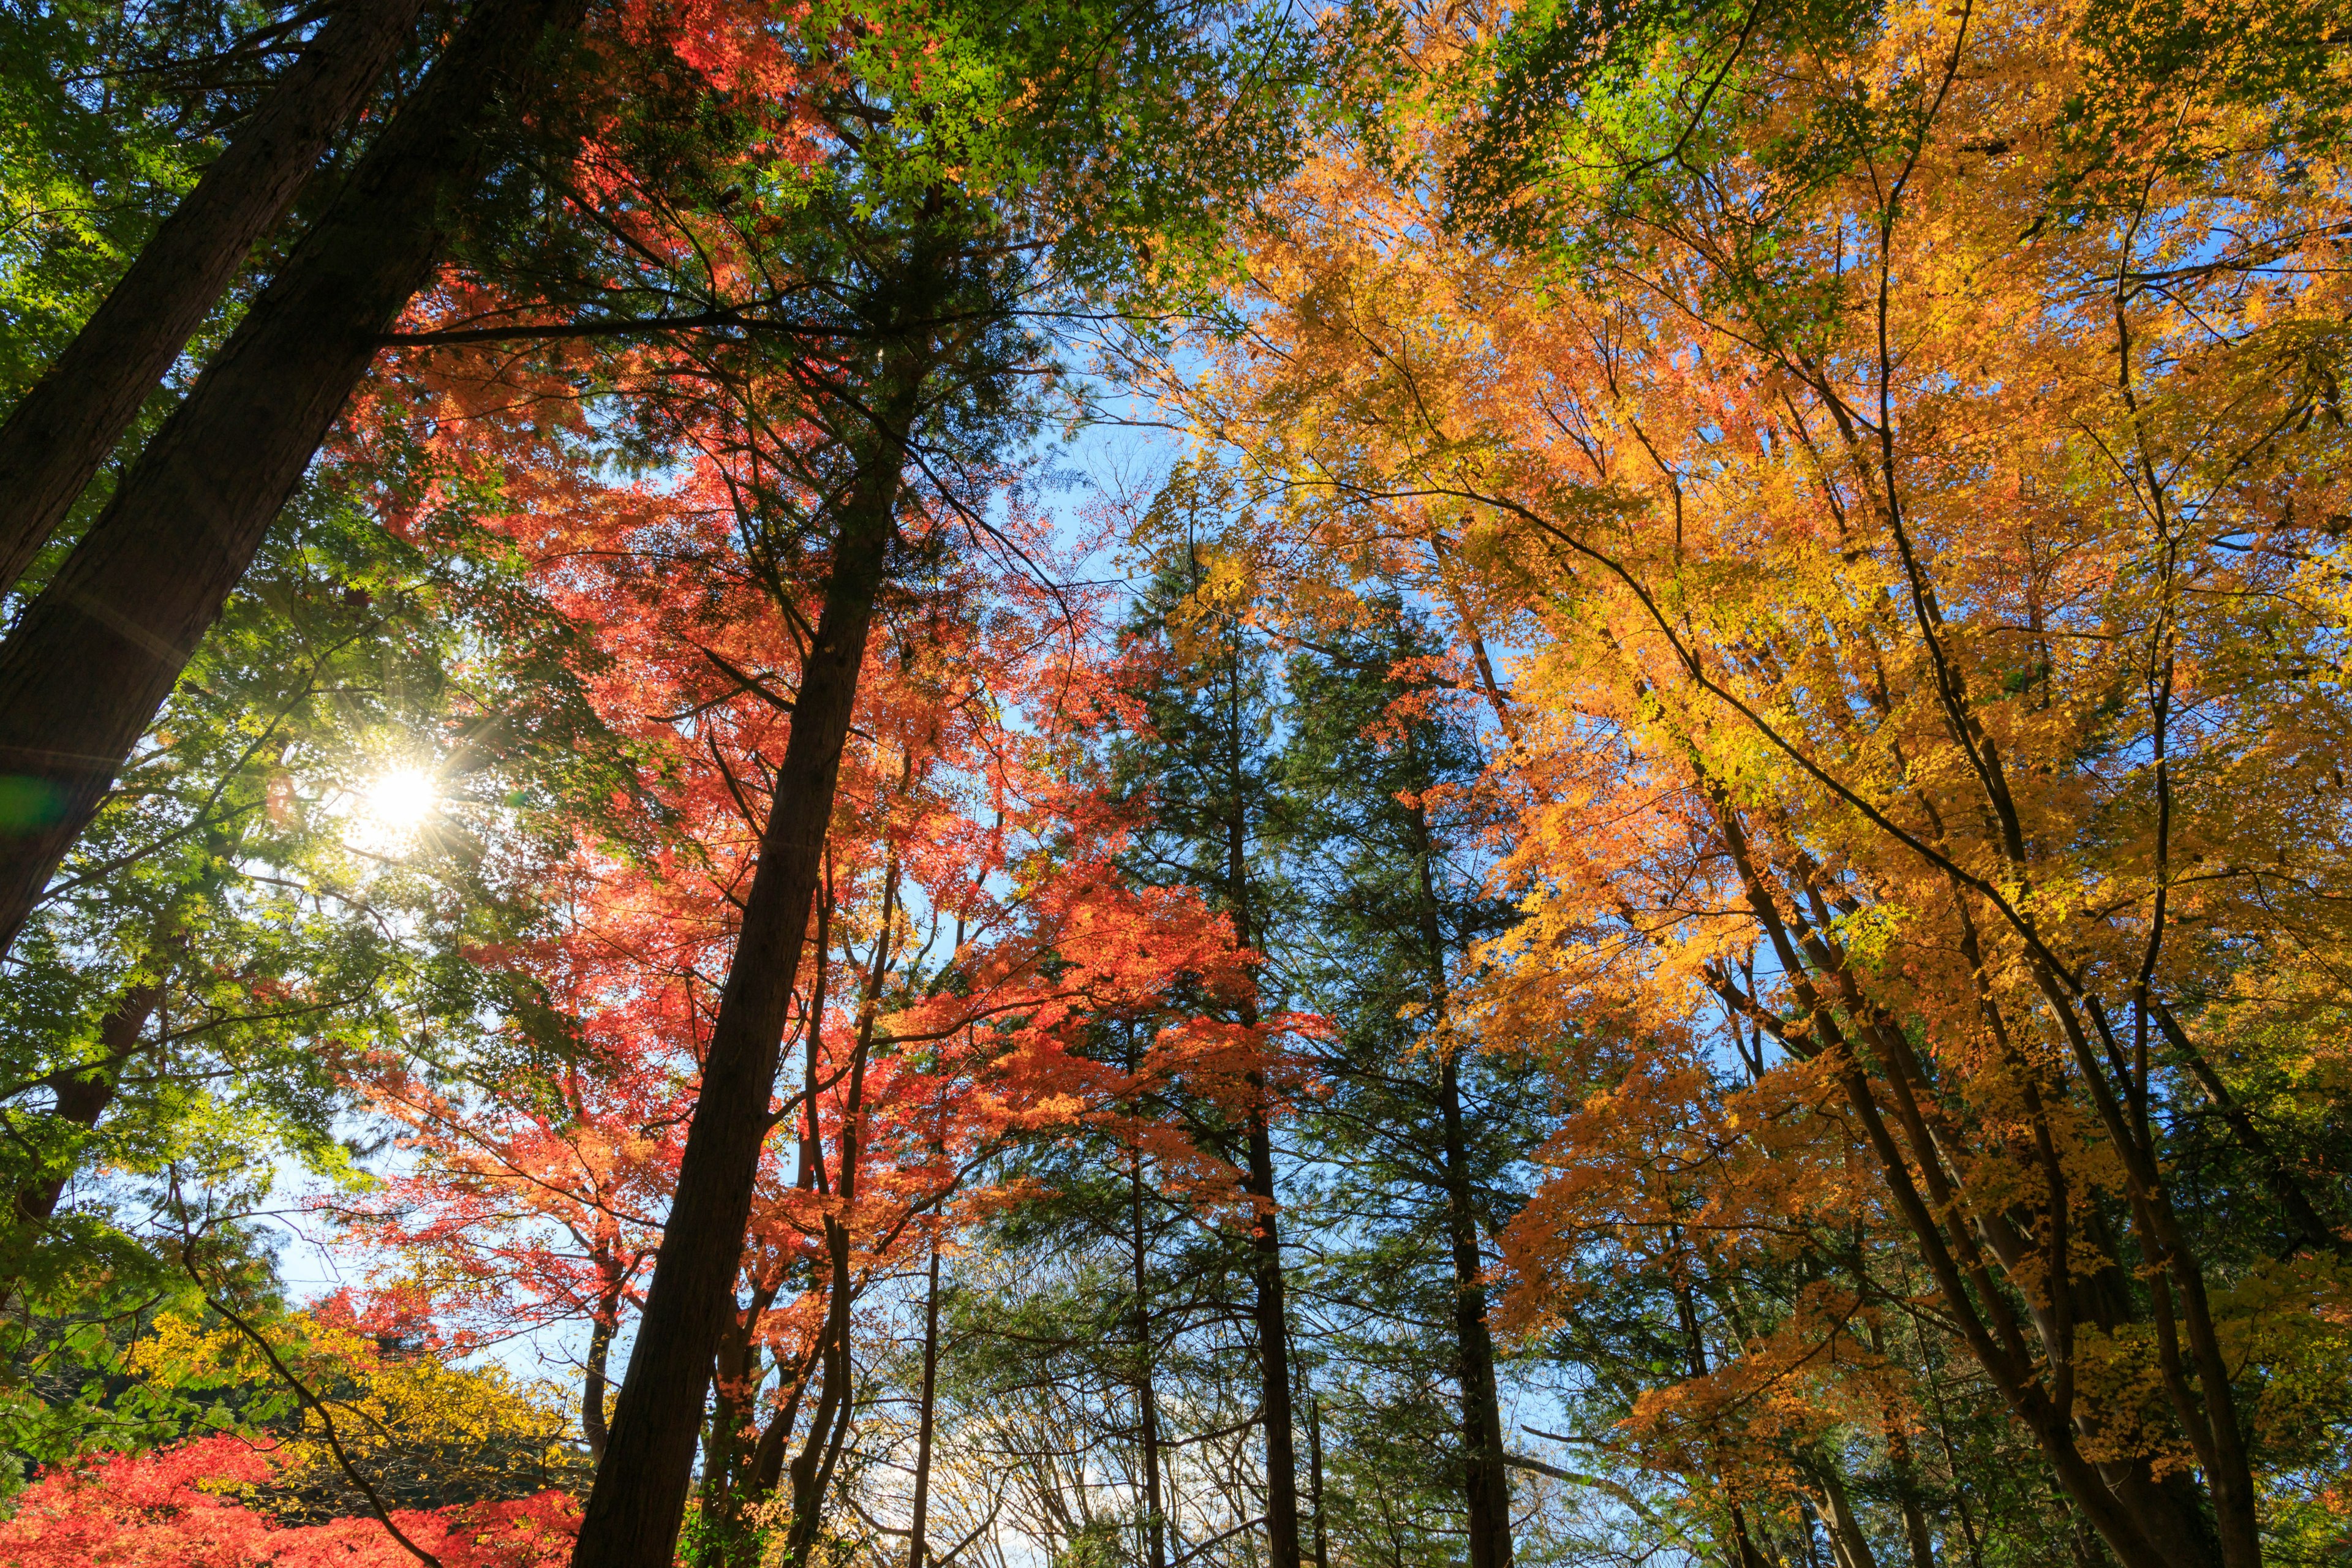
[(917, 1543), (1155, 1518), (1265, 1234), (61, 432), (812, 1468), (98, 652), (1485, 1483), (1315, 1478), (640, 1496), (1274, 1351)]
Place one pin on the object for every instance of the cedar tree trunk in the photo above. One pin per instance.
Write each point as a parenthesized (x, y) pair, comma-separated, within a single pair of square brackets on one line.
[(1486, 1487), (640, 1496), (64, 428), (95, 655)]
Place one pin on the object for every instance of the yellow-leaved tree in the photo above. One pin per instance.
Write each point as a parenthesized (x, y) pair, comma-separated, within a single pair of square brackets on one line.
[(422, 1434), (1886, 467)]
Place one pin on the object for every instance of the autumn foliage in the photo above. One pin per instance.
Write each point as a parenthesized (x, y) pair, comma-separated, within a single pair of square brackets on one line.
[(1686, 888), (181, 1508)]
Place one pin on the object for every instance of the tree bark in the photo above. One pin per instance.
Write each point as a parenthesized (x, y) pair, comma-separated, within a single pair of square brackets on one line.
[(640, 1496), (592, 1392), (98, 652), (1155, 1517), (1486, 1486), (61, 432), (916, 1543), (84, 1092)]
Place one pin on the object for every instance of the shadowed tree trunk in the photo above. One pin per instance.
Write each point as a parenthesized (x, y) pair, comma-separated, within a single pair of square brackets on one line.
[(1155, 1517), (915, 1526), (1486, 1487), (62, 429), (592, 1392), (640, 1496), (96, 653), (84, 1092)]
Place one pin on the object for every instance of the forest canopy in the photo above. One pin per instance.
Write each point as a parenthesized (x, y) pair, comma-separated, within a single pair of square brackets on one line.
[(1120, 783)]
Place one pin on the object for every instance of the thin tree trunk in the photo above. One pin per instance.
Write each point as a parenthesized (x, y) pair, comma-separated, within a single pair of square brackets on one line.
[(809, 1467), (1486, 1487), (592, 1392), (96, 653), (638, 1499), (812, 1470), (1274, 1354), (1266, 1236), (1315, 1478), (917, 1543), (768, 1459), (1155, 1526), (62, 429), (84, 1092), (736, 1375)]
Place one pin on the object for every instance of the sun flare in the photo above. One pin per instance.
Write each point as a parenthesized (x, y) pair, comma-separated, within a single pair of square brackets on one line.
[(389, 809)]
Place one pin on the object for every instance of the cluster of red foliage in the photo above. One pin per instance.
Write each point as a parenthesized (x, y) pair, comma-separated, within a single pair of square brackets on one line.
[(180, 1508)]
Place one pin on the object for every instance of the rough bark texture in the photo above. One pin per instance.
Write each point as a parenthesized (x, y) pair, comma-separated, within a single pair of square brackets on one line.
[(639, 1497), (61, 432), (98, 652)]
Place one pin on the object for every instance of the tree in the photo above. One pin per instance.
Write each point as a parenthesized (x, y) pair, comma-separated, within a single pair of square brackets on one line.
[(1198, 752), (1846, 659), (917, 277), (64, 427), (90, 661), (1378, 824)]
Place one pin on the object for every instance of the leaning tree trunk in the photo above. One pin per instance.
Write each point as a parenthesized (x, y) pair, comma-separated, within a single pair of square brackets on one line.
[(98, 652), (61, 432), (640, 1496)]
